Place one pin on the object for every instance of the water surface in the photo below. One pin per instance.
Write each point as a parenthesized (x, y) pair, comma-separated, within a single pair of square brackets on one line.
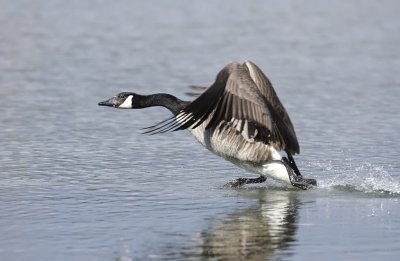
[(79, 182)]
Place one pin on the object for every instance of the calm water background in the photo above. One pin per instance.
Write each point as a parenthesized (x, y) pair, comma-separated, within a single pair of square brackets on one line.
[(79, 182)]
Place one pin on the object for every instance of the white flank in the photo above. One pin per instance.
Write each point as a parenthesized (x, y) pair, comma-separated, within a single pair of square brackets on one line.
[(127, 104), (276, 170), (283, 154), (277, 154)]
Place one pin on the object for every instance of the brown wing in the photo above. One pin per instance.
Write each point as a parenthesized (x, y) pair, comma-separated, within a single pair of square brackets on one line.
[(242, 107), (234, 100), (197, 111), (242, 98), (283, 121)]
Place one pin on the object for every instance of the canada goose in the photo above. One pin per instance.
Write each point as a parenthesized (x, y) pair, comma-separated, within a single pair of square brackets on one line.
[(239, 117)]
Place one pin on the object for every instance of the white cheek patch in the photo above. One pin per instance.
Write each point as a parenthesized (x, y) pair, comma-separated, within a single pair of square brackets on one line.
[(127, 104)]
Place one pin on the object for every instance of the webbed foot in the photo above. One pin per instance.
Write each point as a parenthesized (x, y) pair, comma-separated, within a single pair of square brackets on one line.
[(300, 182), (242, 181)]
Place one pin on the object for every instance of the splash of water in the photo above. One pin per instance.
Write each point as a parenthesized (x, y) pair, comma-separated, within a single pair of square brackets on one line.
[(356, 176)]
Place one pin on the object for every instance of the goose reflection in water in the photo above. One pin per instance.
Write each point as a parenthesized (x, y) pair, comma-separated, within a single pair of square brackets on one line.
[(260, 232)]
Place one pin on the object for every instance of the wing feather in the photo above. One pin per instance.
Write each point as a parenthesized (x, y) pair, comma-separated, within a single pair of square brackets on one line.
[(285, 129), (241, 97)]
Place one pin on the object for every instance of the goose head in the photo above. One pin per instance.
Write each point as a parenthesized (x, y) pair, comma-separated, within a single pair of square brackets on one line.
[(124, 100)]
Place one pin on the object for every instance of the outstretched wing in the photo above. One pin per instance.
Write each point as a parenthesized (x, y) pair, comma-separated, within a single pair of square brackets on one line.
[(197, 111), (234, 100), (283, 121)]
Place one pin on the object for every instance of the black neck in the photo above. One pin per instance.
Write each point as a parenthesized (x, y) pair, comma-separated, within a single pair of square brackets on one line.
[(168, 101)]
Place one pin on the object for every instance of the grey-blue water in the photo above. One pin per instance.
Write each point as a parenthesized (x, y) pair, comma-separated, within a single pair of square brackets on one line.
[(79, 182)]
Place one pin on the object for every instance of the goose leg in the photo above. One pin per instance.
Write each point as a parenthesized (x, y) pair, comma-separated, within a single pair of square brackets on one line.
[(242, 181), (302, 183), (296, 179)]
